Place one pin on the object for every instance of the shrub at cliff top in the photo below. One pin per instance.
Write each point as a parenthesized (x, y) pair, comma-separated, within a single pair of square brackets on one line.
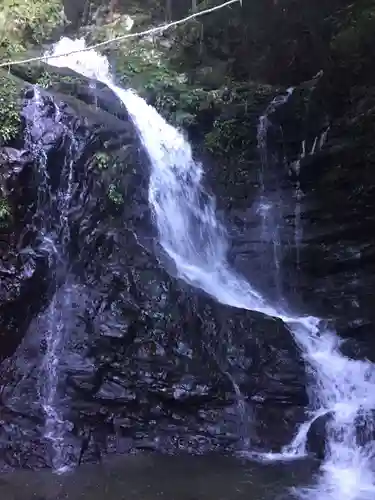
[(24, 23)]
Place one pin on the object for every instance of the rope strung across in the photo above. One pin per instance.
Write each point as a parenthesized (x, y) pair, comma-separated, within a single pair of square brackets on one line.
[(122, 37)]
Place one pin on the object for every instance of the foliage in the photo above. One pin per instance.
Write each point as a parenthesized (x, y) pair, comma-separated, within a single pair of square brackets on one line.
[(281, 42), (45, 80), (48, 78), (24, 23), (9, 109), (143, 66), (355, 35), (102, 160), (5, 212), (115, 195), (143, 63), (188, 73), (234, 128)]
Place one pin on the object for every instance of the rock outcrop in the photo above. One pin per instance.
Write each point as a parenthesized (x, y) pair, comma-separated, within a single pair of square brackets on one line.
[(147, 361)]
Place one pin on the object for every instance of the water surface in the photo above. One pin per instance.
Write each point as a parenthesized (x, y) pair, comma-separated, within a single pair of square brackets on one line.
[(150, 477)]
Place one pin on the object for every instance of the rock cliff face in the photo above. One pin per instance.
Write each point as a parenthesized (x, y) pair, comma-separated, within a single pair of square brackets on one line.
[(318, 196), (21, 270), (318, 171), (337, 184), (146, 362)]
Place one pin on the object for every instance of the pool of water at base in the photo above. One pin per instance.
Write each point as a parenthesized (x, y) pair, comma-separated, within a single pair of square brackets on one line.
[(151, 477)]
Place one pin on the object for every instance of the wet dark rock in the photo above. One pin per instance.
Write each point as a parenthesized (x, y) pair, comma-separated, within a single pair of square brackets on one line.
[(317, 251), (71, 86), (12, 164), (360, 347), (316, 436), (262, 346), (23, 261), (365, 427), (364, 431), (20, 441), (114, 391), (180, 354), (148, 362), (11, 156), (19, 277)]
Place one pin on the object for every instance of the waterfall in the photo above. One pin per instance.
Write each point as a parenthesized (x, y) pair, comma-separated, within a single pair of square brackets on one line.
[(270, 202), (298, 194), (52, 224), (194, 239)]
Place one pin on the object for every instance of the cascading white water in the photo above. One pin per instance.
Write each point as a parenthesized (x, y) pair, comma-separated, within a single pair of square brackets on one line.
[(191, 235), (54, 322), (57, 324)]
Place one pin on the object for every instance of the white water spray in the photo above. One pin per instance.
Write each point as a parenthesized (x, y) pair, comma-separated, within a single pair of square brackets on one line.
[(192, 236), (54, 322)]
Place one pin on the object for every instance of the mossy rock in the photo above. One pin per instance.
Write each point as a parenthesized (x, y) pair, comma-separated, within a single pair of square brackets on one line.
[(237, 111), (59, 79)]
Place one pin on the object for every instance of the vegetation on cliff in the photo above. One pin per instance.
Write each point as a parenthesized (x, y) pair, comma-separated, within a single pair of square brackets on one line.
[(27, 23), (5, 212), (9, 108), (211, 75), (24, 25)]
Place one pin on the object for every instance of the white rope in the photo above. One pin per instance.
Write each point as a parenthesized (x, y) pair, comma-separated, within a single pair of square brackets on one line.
[(123, 37)]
